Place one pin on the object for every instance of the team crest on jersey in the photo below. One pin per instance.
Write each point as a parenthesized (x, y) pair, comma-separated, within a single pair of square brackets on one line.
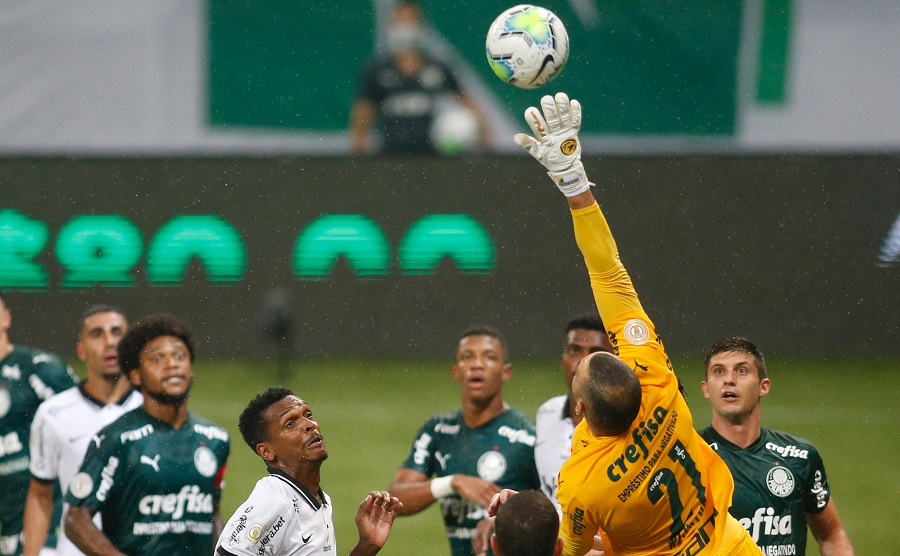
[(780, 481), (81, 485), (5, 401), (205, 461), (491, 466), (637, 332), (255, 531)]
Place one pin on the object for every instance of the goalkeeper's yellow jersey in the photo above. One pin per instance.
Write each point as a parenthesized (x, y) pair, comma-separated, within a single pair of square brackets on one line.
[(657, 488)]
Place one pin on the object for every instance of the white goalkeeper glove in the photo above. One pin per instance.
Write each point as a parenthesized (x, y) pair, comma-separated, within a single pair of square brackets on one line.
[(555, 142)]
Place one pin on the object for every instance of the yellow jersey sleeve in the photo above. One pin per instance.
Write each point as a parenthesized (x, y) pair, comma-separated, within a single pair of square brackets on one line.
[(613, 291), (657, 487)]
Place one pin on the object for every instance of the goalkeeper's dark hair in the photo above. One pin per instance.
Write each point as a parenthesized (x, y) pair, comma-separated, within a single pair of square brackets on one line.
[(740, 345), (589, 320), (485, 330), (611, 393), (147, 329), (253, 427), (527, 525)]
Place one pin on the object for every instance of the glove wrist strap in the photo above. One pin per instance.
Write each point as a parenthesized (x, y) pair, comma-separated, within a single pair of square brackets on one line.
[(572, 181)]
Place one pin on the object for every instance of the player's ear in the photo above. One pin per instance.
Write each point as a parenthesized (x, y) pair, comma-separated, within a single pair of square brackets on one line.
[(705, 387), (559, 546), (79, 350), (579, 407), (455, 371), (134, 375), (764, 386), (507, 371), (265, 452), (5, 318), (495, 546)]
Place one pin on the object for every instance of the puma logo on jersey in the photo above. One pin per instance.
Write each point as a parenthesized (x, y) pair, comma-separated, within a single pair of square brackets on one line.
[(442, 459), (154, 463), (97, 439)]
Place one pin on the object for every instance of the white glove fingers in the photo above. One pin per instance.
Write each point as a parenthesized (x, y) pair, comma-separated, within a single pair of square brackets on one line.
[(526, 141), (537, 123), (551, 113), (564, 110), (576, 114)]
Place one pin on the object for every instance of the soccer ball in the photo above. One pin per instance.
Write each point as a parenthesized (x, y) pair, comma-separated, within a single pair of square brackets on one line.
[(527, 46)]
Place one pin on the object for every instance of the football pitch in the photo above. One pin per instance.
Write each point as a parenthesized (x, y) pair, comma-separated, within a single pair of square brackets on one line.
[(370, 410)]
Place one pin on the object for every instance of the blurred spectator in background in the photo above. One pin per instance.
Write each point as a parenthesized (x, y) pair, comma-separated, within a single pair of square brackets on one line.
[(405, 89)]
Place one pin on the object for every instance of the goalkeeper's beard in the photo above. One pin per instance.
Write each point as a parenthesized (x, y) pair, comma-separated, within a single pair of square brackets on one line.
[(170, 399)]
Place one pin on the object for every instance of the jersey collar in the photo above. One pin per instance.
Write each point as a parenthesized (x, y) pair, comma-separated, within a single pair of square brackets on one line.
[(311, 499), (734, 447), (565, 409), (98, 403)]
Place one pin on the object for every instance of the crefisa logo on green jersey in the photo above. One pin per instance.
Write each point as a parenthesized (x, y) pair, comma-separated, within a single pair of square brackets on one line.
[(107, 475), (765, 522), (189, 499)]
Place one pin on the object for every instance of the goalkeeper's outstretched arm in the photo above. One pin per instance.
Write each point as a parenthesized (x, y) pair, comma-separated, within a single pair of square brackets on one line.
[(555, 145)]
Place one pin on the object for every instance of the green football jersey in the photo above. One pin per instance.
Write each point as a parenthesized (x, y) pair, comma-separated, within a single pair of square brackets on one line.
[(27, 378), (777, 481), (154, 486), (500, 451)]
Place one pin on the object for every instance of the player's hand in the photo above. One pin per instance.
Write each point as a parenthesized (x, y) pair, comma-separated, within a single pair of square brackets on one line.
[(481, 540), (555, 142), (475, 489), (374, 520), (499, 499)]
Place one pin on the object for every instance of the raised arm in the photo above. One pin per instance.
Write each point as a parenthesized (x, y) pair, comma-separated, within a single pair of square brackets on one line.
[(556, 146)]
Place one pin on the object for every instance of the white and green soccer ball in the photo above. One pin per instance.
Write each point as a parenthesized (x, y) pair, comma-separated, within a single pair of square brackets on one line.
[(527, 46)]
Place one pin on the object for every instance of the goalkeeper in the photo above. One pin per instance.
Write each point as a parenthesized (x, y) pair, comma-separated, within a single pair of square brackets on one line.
[(638, 471)]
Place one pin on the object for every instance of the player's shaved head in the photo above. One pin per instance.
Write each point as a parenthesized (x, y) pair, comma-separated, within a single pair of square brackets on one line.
[(610, 392), (527, 525)]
